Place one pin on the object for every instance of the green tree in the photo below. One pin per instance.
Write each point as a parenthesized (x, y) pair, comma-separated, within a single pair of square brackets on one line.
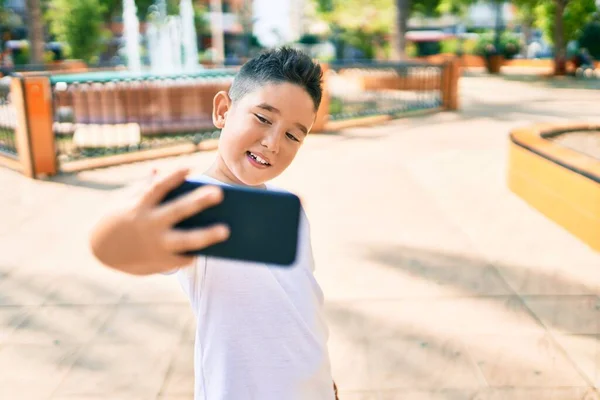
[(358, 23), (366, 23), (79, 24), (561, 22)]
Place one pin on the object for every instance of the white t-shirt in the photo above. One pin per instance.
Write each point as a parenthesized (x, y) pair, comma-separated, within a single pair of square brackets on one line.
[(261, 332)]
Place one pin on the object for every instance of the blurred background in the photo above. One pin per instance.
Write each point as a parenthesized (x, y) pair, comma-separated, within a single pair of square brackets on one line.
[(37, 34), (452, 181)]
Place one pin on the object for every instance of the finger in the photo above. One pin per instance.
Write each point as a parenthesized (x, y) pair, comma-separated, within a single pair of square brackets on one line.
[(190, 204), (159, 189), (178, 241)]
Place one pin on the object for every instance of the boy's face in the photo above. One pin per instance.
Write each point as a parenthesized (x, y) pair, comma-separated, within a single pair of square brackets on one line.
[(262, 131)]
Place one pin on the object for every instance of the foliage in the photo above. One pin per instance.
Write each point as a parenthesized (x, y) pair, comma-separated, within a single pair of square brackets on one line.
[(79, 24), (510, 45), (590, 38), (354, 15), (114, 8), (376, 15), (4, 13), (362, 40), (454, 7), (425, 49), (427, 8), (411, 50), (577, 14), (469, 46), (365, 25), (22, 55), (454, 46), (201, 21), (309, 39)]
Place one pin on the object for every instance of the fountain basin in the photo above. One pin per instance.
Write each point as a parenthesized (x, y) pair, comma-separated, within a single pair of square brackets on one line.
[(106, 114), (159, 104), (561, 182)]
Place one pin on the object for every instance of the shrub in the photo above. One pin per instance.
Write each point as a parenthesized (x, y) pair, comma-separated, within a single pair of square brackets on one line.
[(510, 45), (79, 24), (590, 38)]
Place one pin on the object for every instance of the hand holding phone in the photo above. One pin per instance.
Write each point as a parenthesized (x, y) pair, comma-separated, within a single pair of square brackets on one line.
[(263, 224), (140, 238)]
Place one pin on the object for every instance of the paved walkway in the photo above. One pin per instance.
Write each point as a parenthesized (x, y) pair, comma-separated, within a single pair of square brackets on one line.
[(440, 283)]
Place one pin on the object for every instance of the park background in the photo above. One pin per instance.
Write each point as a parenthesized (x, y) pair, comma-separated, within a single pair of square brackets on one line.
[(452, 181)]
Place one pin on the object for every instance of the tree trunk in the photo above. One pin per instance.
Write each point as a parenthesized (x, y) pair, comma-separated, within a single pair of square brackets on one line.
[(560, 46), (398, 37), (36, 31)]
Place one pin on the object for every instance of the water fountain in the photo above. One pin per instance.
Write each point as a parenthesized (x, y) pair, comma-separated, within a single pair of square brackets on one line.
[(190, 42), (164, 100), (171, 39), (131, 32)]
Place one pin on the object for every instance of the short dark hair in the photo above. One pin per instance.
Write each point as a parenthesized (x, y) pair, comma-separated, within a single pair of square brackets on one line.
[(279, 65)]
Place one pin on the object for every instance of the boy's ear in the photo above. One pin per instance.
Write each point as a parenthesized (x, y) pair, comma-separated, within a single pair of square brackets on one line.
[(221, 105)]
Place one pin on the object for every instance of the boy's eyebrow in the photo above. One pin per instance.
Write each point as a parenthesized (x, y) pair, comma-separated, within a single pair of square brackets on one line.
[(275, 110)]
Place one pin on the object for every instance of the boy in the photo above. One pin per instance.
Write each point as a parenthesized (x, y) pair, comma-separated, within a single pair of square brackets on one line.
[(261, 333)]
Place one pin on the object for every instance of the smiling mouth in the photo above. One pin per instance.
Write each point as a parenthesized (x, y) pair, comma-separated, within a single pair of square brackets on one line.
[(257, 158)]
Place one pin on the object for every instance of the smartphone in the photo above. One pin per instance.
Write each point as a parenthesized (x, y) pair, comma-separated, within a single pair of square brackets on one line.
[(264, 224)]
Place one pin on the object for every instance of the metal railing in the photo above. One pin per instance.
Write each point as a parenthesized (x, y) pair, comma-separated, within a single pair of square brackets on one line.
[(8, 120), (368, 89), (104, 114)]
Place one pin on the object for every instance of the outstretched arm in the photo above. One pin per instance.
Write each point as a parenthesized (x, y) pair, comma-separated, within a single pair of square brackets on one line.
[(139, 238)]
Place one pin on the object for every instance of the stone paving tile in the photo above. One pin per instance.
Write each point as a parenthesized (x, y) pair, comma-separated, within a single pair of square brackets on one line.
[(158, 289), (34, 371), (406, 362), (350, 362), (60, 324), (27, 289), (584, 352), (155, 326), (559, 393), (502, 315), (100, 397), (359, 395), (180, 380), (436, 394), (116, 370), (71, 289), (567, 314), (10, 319), (529, 361), (552, 281), (449, 273)]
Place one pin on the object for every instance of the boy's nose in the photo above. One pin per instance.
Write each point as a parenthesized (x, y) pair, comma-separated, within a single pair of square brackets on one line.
[(271, 141)]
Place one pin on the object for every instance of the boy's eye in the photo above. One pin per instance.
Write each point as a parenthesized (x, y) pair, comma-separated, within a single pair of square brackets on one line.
[(262, 120), (289, 135)]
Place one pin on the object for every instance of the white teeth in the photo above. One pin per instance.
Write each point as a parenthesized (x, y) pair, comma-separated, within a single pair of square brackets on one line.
[(259, 159)]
